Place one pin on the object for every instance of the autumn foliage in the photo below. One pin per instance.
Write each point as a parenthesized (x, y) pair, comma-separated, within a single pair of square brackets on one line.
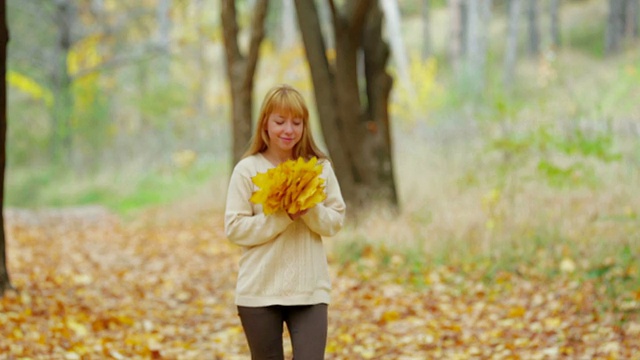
[(293, 186)]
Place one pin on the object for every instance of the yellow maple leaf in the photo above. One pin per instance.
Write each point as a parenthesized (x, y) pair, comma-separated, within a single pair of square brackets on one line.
[(294, 185), (389, 316)]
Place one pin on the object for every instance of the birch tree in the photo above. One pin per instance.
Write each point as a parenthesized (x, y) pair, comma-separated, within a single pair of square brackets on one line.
[(288, 32), (622, 23), (477, 42), (534, 28), (396, 40)]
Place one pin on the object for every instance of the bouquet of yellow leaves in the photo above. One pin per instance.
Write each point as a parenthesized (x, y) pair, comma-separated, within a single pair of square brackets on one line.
[(294, 185)]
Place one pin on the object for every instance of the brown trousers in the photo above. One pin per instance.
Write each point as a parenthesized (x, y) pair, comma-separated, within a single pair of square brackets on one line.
[(263, 327)]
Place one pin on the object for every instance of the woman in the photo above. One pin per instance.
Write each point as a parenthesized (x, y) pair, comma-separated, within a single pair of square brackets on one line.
[(283, 275)]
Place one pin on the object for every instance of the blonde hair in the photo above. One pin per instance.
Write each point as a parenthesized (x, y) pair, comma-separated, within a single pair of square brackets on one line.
[(287, 101)]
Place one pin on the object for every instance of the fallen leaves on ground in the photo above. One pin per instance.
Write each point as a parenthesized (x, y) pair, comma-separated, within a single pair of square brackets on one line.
[(162, 287)]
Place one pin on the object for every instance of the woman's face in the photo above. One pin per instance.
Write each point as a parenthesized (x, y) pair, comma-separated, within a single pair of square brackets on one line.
[(284, 131)]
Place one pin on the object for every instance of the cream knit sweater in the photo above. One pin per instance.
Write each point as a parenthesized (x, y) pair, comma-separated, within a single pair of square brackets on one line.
[(283, 261)]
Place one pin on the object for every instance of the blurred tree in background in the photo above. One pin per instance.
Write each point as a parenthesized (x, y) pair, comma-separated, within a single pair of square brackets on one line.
[(622, 23), (241, 71), (107, 86), (4, 39)]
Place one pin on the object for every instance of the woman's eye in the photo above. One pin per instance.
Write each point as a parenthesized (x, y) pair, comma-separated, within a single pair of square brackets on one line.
[(279, 122)]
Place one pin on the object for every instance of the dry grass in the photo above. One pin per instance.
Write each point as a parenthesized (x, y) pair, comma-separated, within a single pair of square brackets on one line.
[(447, 218)]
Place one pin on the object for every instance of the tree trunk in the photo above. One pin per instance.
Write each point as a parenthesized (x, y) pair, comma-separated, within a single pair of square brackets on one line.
[(162, 69), (378, 145), (555, 22), (203, 68), (5, 284), (511, 50), (534, 28), (615, 26), (464, 24), (622, 24), (478, 19), (97, 9), (456, 22), (473, 45), (241, 70), (62, 144), (631, 21), (163, 19), (357, 135)]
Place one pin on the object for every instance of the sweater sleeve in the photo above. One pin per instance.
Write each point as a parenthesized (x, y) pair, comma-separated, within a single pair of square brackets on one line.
[(242, 225), (327, 218)]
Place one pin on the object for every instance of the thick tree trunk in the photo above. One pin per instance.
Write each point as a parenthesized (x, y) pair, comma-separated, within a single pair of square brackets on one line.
[(324, 82), (5, 284), (378, 146), (357, 136), (241, 70)]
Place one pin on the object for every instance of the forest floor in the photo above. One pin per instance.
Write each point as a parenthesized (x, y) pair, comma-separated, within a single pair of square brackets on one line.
[(161, 286)]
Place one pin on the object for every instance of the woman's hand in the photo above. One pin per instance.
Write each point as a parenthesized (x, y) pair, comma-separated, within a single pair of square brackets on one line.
[(298, 214)]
